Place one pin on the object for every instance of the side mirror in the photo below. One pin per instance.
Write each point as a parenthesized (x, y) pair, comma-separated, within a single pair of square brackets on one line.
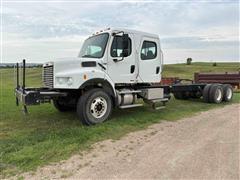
[(125, 45)]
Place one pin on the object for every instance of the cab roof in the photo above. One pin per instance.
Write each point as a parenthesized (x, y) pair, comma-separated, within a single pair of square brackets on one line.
[(130, 31)]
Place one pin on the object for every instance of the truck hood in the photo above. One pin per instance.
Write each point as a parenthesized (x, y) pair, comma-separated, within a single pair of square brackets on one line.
[(70, 64), (69, 60)]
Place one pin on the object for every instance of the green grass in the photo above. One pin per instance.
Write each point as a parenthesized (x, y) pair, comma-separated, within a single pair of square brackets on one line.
[(46, 135), (187, 71)]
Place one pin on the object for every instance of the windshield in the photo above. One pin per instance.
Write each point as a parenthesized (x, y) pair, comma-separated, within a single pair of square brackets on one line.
[(94, 47)]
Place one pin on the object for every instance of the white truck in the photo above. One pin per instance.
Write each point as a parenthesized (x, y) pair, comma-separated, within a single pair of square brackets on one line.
[(114, 69)]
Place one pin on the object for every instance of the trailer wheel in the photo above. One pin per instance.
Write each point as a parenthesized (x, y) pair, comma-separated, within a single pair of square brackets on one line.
[(216, 93), (227, 92), (206, 93), (94, 106), (61, 106)]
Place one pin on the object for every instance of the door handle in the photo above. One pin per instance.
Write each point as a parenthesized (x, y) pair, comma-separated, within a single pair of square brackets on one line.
[(132, 69), (157, 69)]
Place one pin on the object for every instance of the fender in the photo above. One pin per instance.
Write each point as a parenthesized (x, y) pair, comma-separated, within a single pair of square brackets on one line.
[(105, 84), (99, 82)]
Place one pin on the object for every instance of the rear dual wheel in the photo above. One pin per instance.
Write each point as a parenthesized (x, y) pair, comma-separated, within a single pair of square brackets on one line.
[(206, 93), (227, 92), (216, 93)]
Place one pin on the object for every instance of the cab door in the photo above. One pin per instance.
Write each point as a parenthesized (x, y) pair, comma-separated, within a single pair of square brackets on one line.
[(149, 60), (121, 70)]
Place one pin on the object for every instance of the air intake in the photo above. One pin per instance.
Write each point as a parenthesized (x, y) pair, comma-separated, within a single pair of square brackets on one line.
[(48, 76)]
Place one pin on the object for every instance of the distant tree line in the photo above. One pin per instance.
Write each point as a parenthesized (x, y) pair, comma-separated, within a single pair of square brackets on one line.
[(12, 65), (189, 62)]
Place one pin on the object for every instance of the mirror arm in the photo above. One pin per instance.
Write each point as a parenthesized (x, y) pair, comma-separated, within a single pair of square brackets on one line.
[(118, 60)]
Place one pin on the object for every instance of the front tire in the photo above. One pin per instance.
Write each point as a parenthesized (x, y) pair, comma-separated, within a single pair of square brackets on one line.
[(94, 106)]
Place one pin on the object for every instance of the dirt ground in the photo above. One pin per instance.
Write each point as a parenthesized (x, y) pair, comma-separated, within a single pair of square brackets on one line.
[(205, 146)]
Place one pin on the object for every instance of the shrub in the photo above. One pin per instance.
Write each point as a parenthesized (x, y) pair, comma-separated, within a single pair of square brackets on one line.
[(189, 61)]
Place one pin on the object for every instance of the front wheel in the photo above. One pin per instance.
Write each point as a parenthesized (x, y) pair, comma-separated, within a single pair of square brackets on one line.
[(94, 106)]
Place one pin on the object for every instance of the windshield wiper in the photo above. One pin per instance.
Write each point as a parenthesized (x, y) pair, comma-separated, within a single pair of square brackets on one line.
[(88, 55)]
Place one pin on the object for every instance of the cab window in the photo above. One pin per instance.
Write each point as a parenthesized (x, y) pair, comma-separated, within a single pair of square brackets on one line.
[(149, 50), (116, 48)]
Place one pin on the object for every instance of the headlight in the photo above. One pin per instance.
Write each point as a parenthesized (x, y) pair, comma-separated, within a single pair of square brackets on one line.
[(64, 80), (70, 81), (60, 80)]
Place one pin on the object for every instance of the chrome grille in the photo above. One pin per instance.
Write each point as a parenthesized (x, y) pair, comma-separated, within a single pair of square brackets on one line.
[(48, 76)]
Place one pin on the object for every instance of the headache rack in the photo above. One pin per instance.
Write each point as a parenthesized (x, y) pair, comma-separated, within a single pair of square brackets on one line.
[(34, 96)]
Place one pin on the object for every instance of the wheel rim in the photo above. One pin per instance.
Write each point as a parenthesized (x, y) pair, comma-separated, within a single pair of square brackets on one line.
[(98, 107), (229, 93), (218, 94)]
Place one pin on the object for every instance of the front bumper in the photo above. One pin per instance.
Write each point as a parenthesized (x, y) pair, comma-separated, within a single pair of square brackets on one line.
[(36, 96), (27, 96)]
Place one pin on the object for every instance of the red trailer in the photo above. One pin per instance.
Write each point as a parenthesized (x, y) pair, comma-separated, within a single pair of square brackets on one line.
[(232, 78)]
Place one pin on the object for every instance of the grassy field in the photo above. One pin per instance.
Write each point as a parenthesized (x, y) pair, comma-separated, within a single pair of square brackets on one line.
[(186, 71), (46, 135)]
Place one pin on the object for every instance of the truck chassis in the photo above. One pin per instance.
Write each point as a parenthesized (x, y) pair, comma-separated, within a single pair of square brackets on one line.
[(211, 93)]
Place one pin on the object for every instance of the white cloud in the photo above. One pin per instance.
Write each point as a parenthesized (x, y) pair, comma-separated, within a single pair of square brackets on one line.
[(43, 30), (17, 47)]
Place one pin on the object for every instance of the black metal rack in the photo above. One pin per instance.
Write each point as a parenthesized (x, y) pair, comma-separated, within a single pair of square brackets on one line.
[(32, 96)]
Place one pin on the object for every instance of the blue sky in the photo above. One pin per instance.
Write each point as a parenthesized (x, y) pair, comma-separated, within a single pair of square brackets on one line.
[(42, 31)]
